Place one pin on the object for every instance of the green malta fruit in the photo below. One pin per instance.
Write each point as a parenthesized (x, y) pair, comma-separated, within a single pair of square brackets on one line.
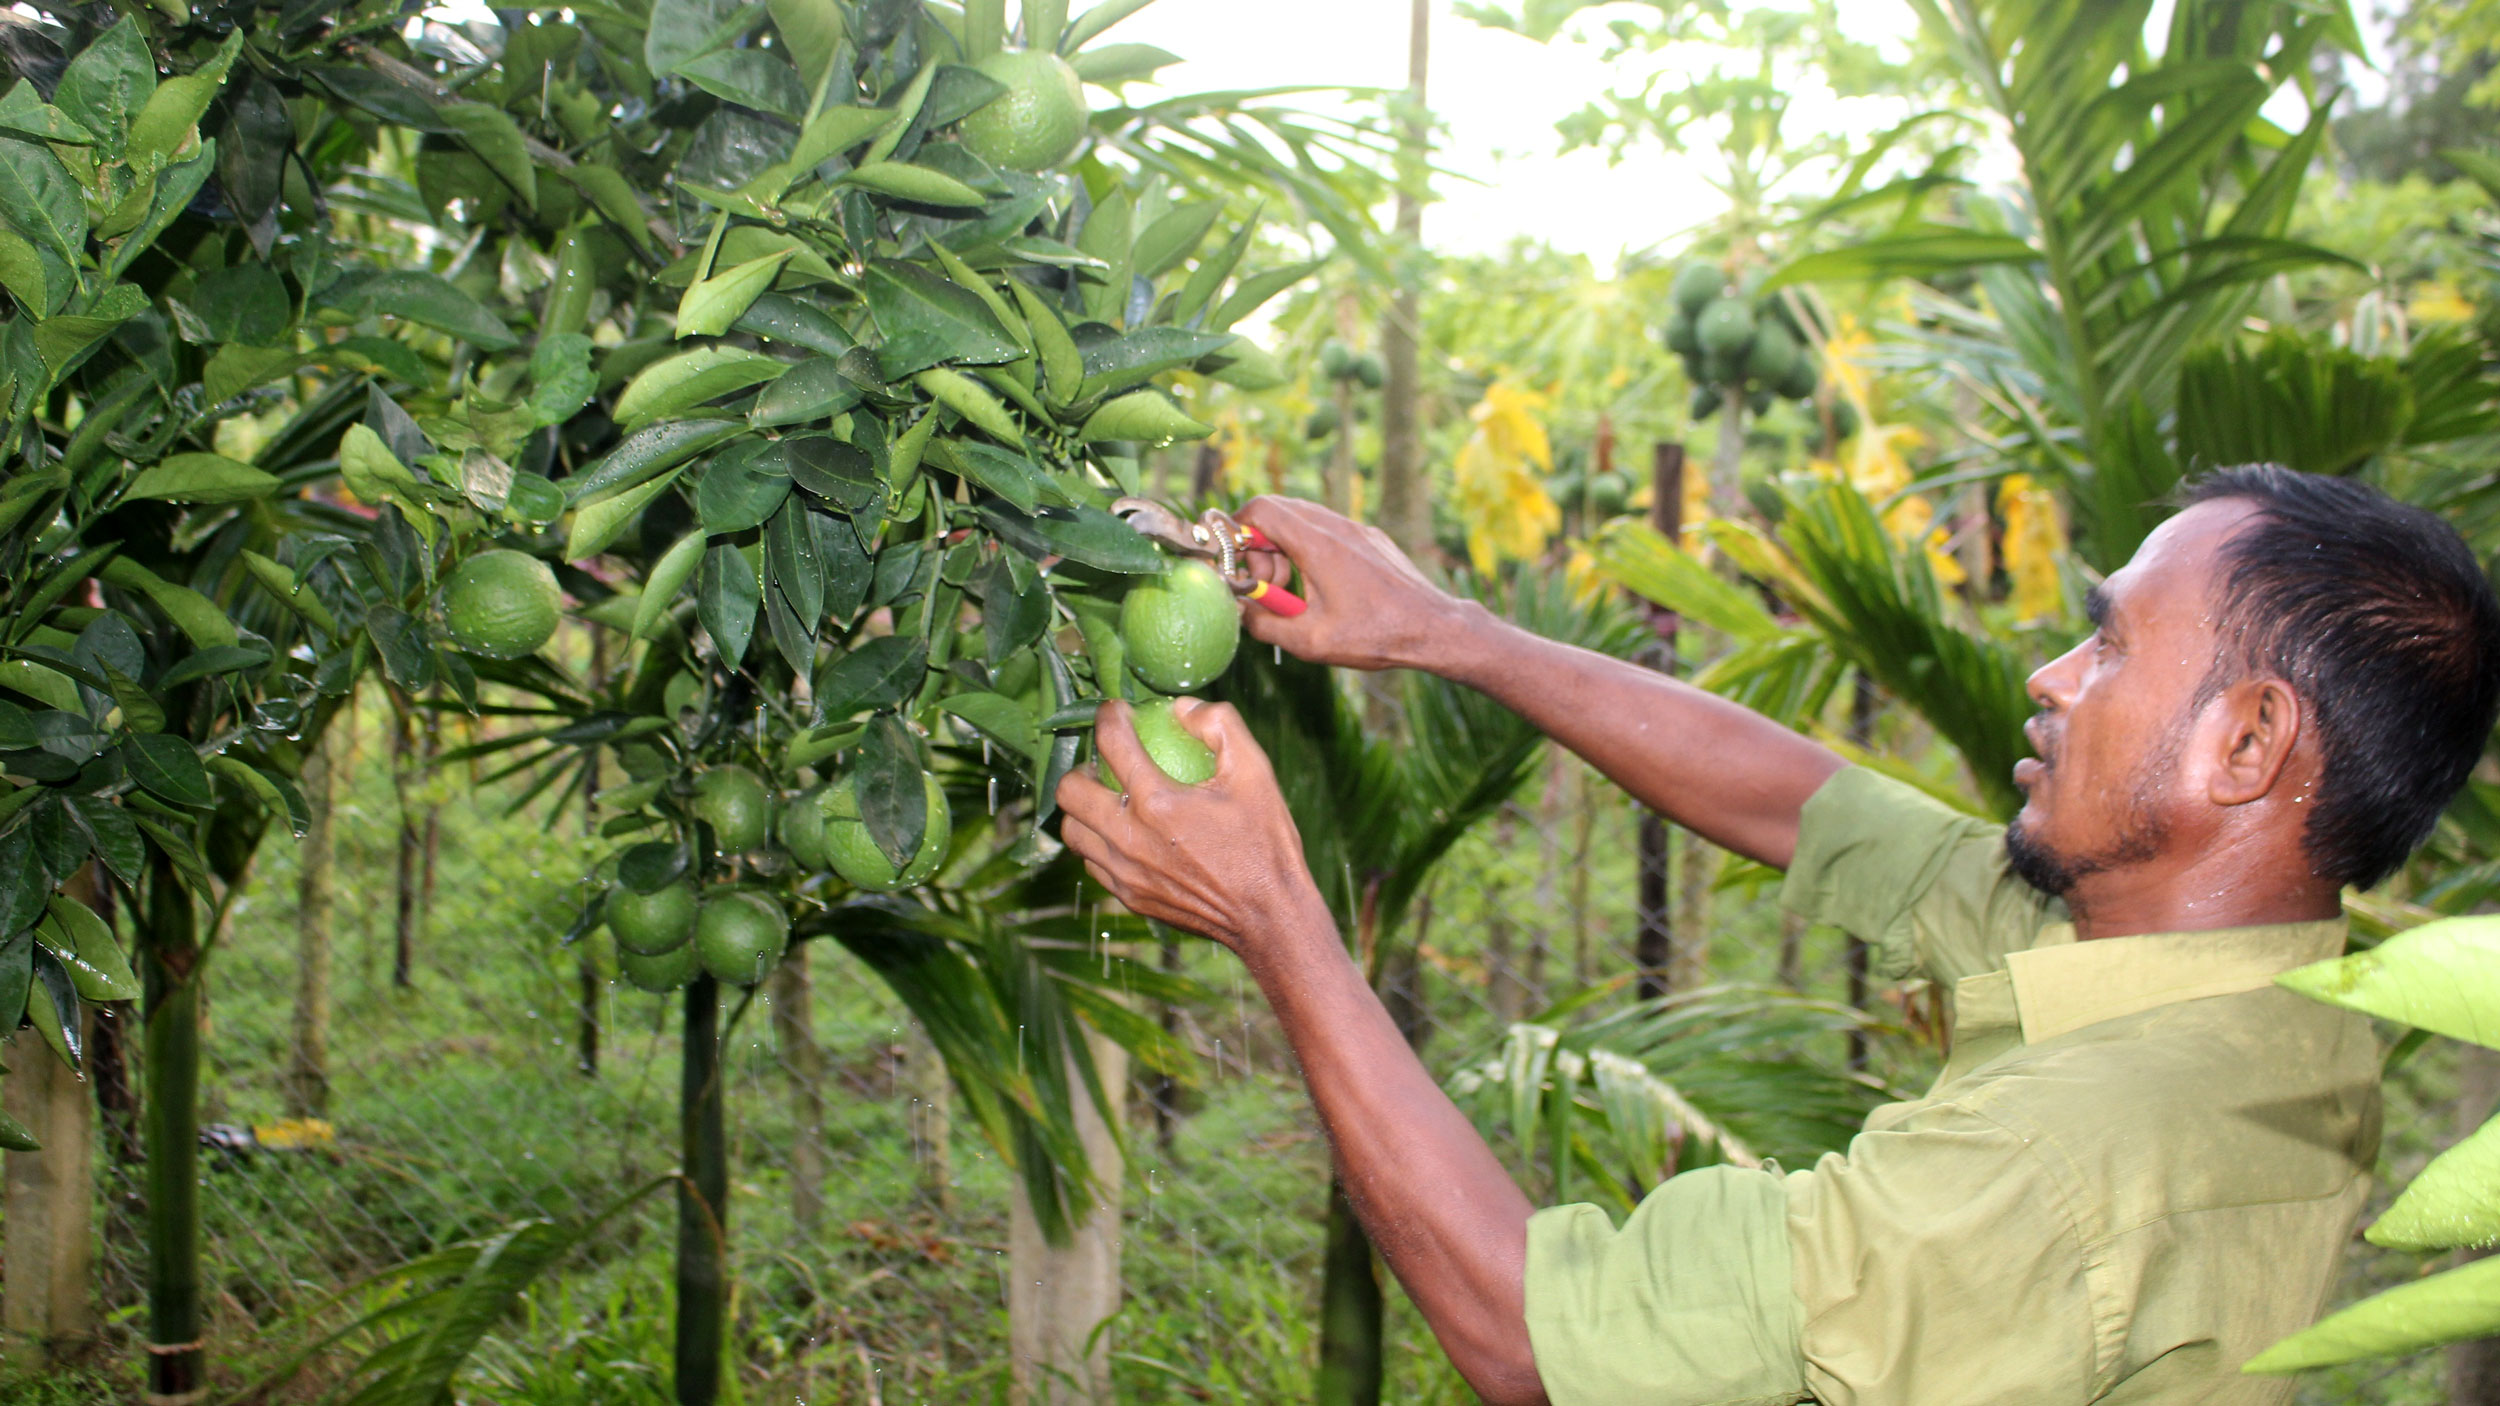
[(1171, 746), (802, 828), (647, 924), (852, 851), (1180, 628), (665, 971), (735, 805), (739, 936), (1038, 122), (502, 604)]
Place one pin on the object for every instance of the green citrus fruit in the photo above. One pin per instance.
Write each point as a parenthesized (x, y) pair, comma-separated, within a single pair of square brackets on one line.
[(664, 971), (854, 855), (803, 828), (733, 803), (1038, 122), (739, 936), (1369, 370), (1173, 747), (502, 604), (647, 924), (1180, 628)]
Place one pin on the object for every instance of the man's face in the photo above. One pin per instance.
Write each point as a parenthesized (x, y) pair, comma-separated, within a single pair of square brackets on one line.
[(2116, 711)]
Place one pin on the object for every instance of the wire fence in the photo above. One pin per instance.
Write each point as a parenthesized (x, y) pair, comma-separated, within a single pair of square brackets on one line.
[(482, 1072)]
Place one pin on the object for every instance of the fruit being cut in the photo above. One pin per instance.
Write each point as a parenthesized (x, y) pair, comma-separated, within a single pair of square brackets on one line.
[(735, 805), (647, 924), (1172, 747), (1038, 122), (739, 936), (1180, 628), (853, 852), (664, 971), (502, 604)]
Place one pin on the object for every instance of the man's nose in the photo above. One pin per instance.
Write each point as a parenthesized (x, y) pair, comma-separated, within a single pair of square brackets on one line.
[(2052, 685)]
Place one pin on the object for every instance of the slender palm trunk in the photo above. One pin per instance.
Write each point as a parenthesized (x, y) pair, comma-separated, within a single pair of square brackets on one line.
[(169, 955), (702, 1201), (411, 849), (307, 1082), (1349, 1311), (1405, 502)]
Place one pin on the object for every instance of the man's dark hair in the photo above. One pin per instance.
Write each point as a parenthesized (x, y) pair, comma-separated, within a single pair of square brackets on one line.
[(2381, 620)]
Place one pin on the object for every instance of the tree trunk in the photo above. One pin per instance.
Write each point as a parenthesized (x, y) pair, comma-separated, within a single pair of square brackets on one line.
[(803, 1063), (702, 1201), (1059, 1296), (589, 986), (1336, 487), (1653, 945), (306, 1086), (1349, 1311), (1863, 704), (169, 957), (1405, 500), (1164, 1093), (931, 1118), (49, 1197), (411, 849)]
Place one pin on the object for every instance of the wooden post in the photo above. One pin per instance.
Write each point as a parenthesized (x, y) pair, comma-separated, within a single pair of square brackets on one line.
[(45, 1315), (702, 1201), (170, 977), (1654, 946), (1058, 1295)]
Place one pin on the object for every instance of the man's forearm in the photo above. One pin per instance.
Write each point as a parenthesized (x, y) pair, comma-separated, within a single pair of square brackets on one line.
[(1435, 1201), (1715, 767)]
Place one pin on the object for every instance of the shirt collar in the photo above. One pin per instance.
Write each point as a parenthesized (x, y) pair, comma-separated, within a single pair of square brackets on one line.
[(2061, 985)]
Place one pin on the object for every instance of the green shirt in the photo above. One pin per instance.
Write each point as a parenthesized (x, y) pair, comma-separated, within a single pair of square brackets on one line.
[(2138, 1168)]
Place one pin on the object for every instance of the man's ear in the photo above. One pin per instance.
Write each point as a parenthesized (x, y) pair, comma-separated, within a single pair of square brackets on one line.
[(2260, 725)]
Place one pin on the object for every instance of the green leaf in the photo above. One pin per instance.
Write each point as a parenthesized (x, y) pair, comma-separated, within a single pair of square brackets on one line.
[(1915, 251), (24, 113), (202, 478), (796, 322), (602, 520), (40, 198), (495, 139), (792, 562), (1121, 63), (24, 886), (813, 30), (1643, 561), (110, 79), (966, 397), (13, 1134), (841, 474), (175, 187), (216, 659), (1116, 364), (2443, 976), (726, 596), (688, 379), (613, 197), (168, 768), (86, 948), (811, 392), (427, 300), (648, 451), (893, 800), (917, 184), (1082, 30), (1001, 719), (2445, 1308), (880, 673), (1081, 534), (685, 29), (926, 319), (742, 487), (1004, 472), (236, 369), (756, 78), (53, 1007), (669, 575), (561, 379), (165, 120), (22, 272), (116, 839), (711, 305), (2455, 1201), (1253, 292), (1147, 416)]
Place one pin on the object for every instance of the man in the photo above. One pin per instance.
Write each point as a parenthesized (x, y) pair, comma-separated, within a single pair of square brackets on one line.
[(2142, 1158)]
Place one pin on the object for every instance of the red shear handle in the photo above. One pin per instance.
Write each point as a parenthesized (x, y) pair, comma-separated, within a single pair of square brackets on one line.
[(1276, 599)]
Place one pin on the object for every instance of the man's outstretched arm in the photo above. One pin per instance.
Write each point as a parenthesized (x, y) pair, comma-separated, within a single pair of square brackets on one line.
[(1712, 766), (1223, 859)]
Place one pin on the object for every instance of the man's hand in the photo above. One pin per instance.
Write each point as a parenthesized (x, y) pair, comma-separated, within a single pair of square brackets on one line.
[(1221, 858), (1370, 607)]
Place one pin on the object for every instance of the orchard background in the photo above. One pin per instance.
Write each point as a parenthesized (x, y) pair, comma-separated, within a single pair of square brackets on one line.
[(777, 365)]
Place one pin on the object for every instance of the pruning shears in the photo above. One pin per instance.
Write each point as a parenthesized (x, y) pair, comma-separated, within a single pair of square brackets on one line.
[(1217, 537)]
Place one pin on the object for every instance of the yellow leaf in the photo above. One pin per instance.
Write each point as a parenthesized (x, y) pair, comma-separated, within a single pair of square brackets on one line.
[(1501, 497), (2035, 543)]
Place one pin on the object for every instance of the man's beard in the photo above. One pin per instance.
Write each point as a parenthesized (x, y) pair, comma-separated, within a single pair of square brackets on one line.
[(2143, 833)]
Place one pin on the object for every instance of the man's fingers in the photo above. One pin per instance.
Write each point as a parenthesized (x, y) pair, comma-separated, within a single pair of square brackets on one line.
[(1219, 725), (1087, 801), (1115, 735)]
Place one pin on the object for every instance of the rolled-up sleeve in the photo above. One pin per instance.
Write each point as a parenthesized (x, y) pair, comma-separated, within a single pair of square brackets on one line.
[(1689, 1304), (1923, 884)]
